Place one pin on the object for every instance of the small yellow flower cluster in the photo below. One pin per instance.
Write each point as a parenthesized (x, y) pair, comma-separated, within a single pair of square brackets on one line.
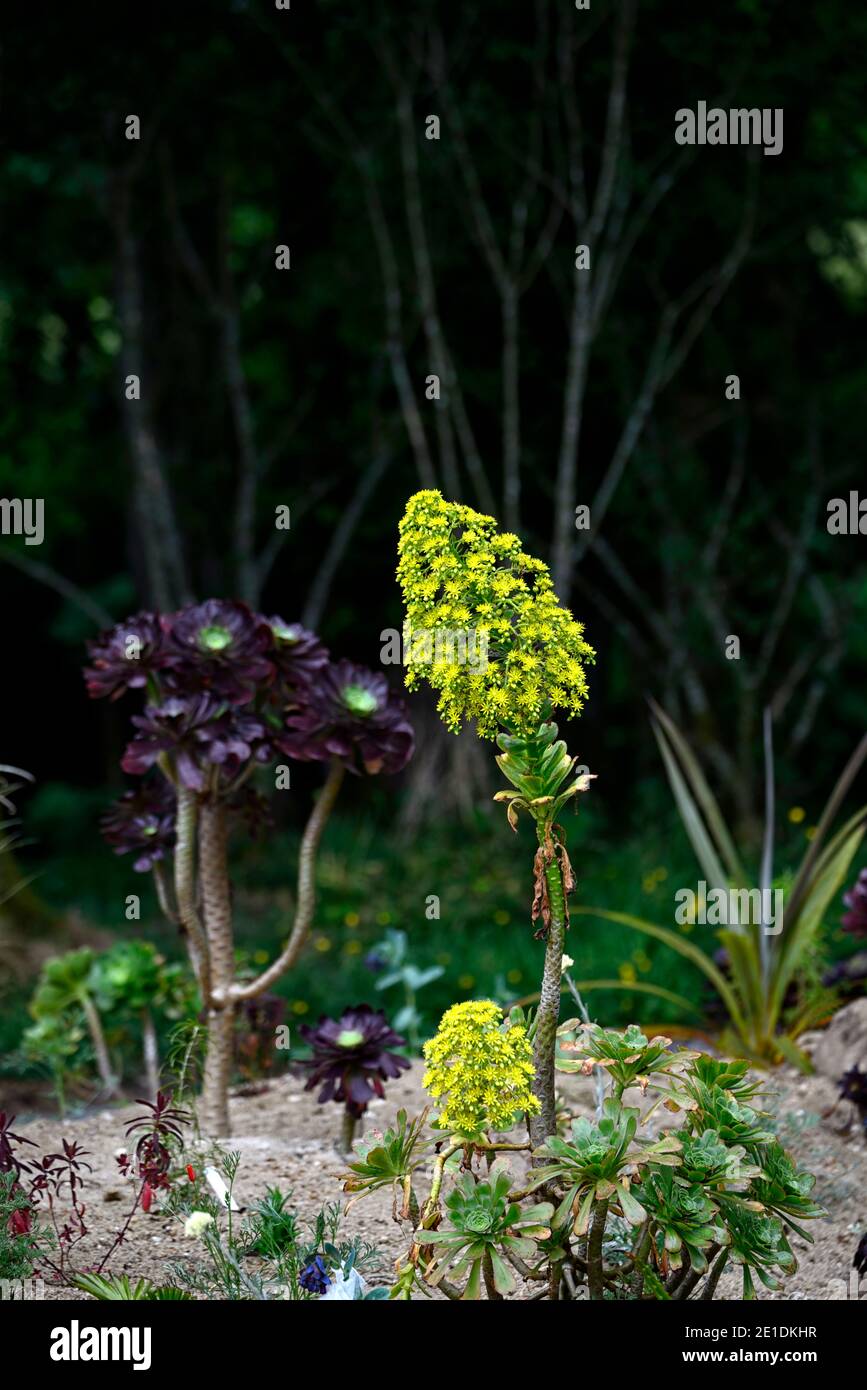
[(482, 1066), (459, 574)]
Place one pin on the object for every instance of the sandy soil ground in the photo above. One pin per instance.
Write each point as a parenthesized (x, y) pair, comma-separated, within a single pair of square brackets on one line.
[(286, 1140)]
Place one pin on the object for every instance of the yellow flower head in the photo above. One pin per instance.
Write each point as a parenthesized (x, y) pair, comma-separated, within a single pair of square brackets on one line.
[(509, 646), (482, 1065)]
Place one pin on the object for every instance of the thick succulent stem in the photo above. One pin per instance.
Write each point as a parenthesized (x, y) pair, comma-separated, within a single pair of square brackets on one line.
[(150, 1048), (100, 1049), (217, 907), (595, 1271), (488, 1272), (713, 1278), (347, 1134), (306, 898), (186, 818), (548, 1014), (695, 1275)]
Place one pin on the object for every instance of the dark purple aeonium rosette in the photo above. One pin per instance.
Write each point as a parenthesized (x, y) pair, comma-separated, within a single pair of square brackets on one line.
[(123, 658), (351, 714), (221, 646), (198, 732), (298, 653), (351, 1057), (855, 920), (142, 822)]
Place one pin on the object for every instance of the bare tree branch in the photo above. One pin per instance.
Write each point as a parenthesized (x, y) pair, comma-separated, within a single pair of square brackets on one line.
[(343, 532), (37, 569)]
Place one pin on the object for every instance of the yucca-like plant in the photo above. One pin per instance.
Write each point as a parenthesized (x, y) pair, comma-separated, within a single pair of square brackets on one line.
[(764, 961), (118, 1288)]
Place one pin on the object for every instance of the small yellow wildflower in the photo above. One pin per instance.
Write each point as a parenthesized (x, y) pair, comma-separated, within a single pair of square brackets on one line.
[(483, 1067), (797, 814)]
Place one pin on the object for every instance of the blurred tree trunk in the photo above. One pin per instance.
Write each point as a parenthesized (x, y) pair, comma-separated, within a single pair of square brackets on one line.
[(450, 776)]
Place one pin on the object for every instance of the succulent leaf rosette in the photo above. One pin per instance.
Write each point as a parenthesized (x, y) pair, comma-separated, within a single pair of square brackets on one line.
[(684, 1216), (351, 714), (142, 822), (757, 1242), (352, 1056), (629, 1058), (222, 646), (595, 1164), (202, 735), (486, 1228), (123, 658), (460, 575), (227, 688)]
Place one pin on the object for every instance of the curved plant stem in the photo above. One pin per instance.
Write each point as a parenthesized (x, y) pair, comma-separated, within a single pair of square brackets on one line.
[(548, 1014), (306, 899), (431, 1205)]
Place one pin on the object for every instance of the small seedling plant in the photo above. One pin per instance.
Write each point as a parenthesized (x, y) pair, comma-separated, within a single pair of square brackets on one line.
[(632, 1209)]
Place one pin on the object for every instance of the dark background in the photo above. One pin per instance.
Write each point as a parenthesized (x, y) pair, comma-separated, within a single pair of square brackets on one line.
[(263, 127)]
